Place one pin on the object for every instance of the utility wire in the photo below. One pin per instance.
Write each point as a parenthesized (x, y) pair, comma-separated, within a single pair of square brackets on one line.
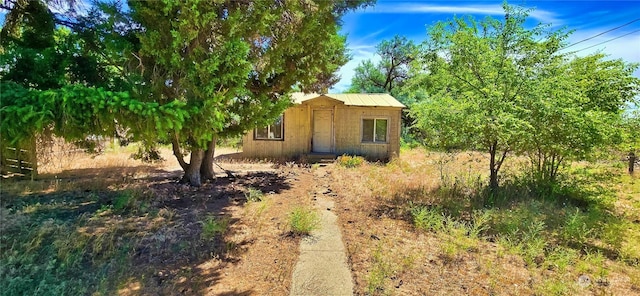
[(594, 36), (603, 42)]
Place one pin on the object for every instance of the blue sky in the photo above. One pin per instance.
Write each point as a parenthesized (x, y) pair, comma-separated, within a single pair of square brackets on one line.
[(367, 27)]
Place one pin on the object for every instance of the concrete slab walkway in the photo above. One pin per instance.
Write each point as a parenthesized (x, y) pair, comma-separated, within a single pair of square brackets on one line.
[(322, 267)]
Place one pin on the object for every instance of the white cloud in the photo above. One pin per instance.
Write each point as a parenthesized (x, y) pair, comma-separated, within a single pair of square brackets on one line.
[(494, 9), (625, 48)]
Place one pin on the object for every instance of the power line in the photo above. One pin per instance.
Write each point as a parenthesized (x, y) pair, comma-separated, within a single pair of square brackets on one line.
[(603, 42), (594, 36)]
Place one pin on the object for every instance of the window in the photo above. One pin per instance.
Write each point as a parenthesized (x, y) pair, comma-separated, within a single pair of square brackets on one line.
[(374, 130), (274, 131)]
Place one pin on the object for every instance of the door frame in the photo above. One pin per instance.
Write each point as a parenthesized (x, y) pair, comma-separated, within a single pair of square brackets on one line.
[(331, 128)]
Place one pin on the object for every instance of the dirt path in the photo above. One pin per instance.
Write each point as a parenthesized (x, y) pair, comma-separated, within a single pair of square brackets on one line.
[(322, 267)]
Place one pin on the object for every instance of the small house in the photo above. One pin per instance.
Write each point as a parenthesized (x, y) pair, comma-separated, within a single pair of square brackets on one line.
[(330, 124)]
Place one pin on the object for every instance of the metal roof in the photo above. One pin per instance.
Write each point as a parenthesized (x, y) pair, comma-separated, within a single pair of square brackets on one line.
[(377, 100)]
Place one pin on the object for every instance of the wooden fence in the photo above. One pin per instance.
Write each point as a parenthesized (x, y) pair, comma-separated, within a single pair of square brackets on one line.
[(19, 162)]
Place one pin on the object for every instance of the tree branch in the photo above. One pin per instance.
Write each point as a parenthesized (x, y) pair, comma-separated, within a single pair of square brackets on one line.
[(504, 155), (469, 83), (176, 151)]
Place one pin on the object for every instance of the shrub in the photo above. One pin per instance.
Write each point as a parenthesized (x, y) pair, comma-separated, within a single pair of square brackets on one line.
[(349, 161), (302, 221)]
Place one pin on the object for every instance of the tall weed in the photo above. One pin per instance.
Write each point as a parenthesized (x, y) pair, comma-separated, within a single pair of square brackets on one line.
[(350, 161), (302, 221), (427, 218), (577, 228), (253, 195)]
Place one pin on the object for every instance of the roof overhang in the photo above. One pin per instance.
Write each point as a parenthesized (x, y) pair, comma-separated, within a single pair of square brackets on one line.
[(362, 100)]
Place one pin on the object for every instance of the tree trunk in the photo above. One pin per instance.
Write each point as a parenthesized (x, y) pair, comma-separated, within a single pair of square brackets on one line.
[(192, 172), (632, 161), (206, 170), (493, 177)]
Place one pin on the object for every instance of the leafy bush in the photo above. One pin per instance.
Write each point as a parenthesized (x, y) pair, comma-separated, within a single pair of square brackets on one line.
[(302, 221), (349, 161)]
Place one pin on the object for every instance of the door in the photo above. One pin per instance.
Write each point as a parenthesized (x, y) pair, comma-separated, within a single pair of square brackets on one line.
[(322, 126)]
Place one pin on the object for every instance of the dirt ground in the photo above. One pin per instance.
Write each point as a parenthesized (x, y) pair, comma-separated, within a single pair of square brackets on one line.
[(164, 250), (258, 253)]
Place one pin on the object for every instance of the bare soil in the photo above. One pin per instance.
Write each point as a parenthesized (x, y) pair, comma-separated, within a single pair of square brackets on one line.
[(168, 255), (166, 251)]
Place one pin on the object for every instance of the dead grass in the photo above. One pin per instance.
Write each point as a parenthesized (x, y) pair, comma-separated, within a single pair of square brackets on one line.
[(106, 224), (521, 250)]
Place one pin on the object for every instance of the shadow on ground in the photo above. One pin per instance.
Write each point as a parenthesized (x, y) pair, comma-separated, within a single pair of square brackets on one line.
[(122, 230)]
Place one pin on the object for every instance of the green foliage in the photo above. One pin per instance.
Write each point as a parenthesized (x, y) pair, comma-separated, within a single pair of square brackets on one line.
[(391, 72), (254, 195), (496, 86), (213, 226), (302, 221), (427, 218), (567, 124), (349, 161), (76, 111)]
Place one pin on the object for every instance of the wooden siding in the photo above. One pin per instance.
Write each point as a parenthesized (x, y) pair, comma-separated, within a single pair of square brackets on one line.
[(347, 132), (348, 122), (295, 142)]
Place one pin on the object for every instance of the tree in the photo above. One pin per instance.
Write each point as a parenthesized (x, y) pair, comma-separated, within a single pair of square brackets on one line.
[(190, 71), (54, 82), (392, 70), (630, 138), (577, 107), (499, 87), (41, 65), (481, 72), (232, 64)]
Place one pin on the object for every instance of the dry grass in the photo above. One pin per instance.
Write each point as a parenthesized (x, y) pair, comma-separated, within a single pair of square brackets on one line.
[(107, 224), (524, 245)]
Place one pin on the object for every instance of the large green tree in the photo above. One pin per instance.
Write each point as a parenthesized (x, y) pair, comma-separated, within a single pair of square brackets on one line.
[(188, 71), (233, 64), (576, 107), (496, 86), (391, 72), (481, 71)]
